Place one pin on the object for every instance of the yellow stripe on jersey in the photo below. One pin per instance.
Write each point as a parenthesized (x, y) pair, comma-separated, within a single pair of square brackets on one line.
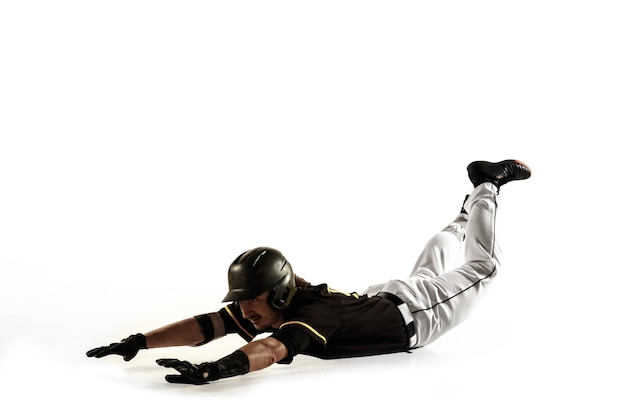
[(251, 336), (315, 332), (347, 294)]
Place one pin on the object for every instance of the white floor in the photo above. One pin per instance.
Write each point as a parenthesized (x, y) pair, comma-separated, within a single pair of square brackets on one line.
[(144, 146)]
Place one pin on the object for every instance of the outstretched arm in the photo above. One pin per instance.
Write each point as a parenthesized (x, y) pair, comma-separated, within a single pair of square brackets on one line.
[(256, 355), (193, 331)]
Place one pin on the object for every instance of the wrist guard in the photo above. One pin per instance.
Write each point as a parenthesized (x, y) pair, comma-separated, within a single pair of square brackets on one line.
[(236, 363)]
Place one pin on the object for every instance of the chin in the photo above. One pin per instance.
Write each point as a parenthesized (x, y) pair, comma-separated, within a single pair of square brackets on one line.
[(260, 326)]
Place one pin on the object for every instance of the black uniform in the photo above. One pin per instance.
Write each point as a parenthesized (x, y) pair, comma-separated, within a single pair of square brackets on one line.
[(329, 324)]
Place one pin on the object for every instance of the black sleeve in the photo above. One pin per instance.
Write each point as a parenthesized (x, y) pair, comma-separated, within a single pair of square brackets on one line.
[(235, 323), (208, 328), (295, 339)]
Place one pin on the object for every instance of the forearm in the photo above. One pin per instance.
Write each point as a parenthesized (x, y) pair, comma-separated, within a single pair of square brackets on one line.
[(193, 331), (182, 333), (252, 357), (265, 352)]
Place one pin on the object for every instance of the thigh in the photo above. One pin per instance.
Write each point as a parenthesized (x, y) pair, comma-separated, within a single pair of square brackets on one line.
[(440, 254)]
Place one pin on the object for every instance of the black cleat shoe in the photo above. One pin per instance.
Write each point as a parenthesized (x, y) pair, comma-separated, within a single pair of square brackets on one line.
[(497, 173)]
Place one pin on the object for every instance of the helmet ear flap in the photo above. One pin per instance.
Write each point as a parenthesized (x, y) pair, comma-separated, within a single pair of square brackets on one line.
[(281, 301)]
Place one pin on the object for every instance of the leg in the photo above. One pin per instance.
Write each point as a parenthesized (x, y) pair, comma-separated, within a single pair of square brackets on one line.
[(441, 302), (438, 304)]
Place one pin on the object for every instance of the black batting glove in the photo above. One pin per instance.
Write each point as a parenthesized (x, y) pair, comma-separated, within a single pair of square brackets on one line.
[(127, 348), (189, 373)]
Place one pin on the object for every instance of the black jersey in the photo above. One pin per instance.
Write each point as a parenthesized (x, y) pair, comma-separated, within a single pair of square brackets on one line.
[(327, 324)]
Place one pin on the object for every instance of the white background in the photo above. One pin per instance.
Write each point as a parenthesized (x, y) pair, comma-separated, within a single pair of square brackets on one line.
[(146, 144)]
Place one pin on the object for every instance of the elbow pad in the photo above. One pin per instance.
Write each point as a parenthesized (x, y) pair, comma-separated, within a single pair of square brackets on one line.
[(212, 327)]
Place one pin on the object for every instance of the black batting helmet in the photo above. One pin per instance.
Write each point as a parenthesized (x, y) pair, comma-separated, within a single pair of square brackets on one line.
[(258, 270)]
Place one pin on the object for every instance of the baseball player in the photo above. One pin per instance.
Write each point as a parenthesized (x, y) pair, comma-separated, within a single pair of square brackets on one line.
[(266, 296)]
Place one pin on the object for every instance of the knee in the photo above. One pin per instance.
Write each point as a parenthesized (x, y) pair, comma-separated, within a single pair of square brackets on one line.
[(443, 240), (486, 268)]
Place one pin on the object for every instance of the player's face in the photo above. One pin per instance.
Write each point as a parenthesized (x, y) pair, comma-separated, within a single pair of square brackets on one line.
[(259, 312)]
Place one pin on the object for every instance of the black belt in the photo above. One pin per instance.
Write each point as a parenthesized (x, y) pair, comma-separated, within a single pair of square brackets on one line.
[(406, 316)]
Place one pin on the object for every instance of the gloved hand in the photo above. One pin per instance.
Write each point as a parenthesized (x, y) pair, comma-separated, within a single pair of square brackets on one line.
[(190, 373), (127, 348)]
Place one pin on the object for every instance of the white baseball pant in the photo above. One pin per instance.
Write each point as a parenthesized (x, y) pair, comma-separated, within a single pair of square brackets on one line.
[(438, 296)]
